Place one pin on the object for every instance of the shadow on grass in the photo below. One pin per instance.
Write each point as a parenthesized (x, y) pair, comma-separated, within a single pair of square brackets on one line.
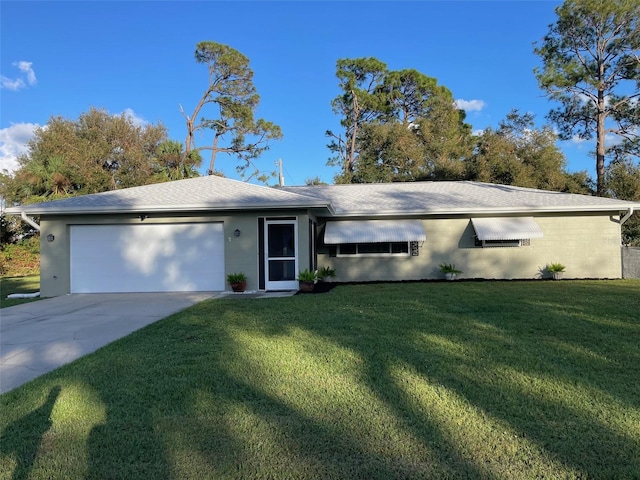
[(464, 380), (162, 421), (550, 381), (21, 439)]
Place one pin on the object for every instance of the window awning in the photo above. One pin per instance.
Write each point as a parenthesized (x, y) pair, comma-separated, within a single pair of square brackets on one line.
[(374, 231), (506, 228)]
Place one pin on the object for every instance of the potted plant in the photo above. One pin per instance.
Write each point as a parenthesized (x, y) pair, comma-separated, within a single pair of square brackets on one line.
[(450, 271), (556, 270), (307, 279), (325, 272), (238, 281)]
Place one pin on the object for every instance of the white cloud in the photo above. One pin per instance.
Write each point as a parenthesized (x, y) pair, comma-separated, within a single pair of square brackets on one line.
[(13, 142), (137, 120), (470, 105), (17, 83), (478, 132), (9, 84), (25, 67), (577, 140)]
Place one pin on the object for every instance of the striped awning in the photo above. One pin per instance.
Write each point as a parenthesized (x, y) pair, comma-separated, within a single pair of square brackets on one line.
[(506, 228), (374, 231)]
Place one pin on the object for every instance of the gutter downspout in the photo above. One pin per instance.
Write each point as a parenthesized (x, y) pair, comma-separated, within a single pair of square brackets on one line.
[(29, 221), (626, 217)]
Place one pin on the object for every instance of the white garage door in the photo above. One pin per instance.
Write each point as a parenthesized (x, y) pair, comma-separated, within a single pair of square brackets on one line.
[(147, 258)]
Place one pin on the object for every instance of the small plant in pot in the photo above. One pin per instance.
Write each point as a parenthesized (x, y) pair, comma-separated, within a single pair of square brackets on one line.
[(450, 271), (556, 270), (307, 279), (238, 281), (325, 272)]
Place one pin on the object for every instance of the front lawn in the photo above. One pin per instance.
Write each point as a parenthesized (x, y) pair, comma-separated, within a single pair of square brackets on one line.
[(10, 285), (488, 380)]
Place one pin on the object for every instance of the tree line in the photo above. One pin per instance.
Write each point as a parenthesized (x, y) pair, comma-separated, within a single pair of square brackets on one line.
[(395, 125)]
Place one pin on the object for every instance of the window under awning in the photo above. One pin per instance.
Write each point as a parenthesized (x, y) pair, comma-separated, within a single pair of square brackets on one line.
[(374, 231), (506, 228)]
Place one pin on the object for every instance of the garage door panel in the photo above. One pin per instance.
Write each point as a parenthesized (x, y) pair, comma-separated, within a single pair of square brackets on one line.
[(147, 258)]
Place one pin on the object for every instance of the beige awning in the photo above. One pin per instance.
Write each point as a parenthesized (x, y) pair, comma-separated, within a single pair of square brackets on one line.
[(506, 228), (374, 231)]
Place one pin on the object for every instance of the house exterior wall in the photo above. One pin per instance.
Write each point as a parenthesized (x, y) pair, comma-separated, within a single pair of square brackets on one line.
[(241, 253), (589, 246)]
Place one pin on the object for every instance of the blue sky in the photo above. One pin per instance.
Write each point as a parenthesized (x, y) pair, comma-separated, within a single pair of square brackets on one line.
[(61, 58)]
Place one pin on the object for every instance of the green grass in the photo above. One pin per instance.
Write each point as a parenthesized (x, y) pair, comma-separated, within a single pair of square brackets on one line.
[(488, 380), (10, 285)]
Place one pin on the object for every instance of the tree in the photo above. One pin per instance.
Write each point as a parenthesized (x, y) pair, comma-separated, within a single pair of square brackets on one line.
[(591, 66), (314, 181), (519, 154), (388, 152), (95, 153), (398, 125), (232, 97), (172, 163), (623, 182), (360, 80), (446, 139)]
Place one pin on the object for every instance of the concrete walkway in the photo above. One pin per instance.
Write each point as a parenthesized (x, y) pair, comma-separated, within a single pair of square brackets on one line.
[(40, 336)]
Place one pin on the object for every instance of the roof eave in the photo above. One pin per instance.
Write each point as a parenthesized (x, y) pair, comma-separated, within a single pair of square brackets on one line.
[(490, 211), (164, 209)]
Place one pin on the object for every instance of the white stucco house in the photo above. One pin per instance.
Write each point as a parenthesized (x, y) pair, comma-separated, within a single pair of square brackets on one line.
[(187, 235)]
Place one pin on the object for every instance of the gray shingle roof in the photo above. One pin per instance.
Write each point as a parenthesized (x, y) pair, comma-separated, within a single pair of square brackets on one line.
[(462, 197), (380, 199), (196, 194)]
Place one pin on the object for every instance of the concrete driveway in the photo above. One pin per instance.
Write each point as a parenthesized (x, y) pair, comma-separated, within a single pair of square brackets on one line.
[(38, 337)]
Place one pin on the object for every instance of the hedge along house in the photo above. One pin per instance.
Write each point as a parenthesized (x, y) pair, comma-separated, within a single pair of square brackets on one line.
[(187, 235)]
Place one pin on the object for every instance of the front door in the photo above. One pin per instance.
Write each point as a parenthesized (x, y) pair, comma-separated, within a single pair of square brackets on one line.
[(281, 259)]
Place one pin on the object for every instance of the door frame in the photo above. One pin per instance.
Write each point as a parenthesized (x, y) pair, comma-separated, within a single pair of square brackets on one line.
[(264, 264)]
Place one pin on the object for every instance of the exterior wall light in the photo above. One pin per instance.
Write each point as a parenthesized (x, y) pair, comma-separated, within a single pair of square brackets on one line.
[(51, 237), (236, 232)]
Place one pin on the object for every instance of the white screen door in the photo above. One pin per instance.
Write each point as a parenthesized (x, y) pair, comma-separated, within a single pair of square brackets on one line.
[(281, 259)]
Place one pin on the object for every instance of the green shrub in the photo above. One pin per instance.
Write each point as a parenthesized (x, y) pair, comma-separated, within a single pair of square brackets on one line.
[(22, 258), (556, 267), (307, 275), (236, 278), (326, 272)]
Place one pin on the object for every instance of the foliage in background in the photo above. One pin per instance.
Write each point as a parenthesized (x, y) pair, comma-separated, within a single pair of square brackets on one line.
[(21, 258), (517, 153), (13, 229), (622, 178), (398, 125), (229, 122), (95, 153), (591, 66), (403, 126), (173, 163)]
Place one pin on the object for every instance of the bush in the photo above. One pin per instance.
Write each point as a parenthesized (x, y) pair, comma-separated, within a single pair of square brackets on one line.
[(20, 259), (236, 278), (326, 272), (307, 275)]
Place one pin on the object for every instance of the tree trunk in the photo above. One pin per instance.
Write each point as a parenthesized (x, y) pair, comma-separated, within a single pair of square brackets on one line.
[(352, 148), (214, 151), (600, 144)]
